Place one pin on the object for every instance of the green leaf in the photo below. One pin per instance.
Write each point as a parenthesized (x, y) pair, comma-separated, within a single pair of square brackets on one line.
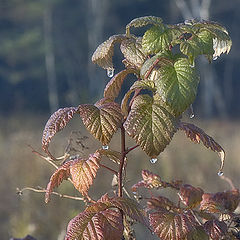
[(156, 39), (102, 119), (132, 51), (143, 21), (150, 124), (198, 44), (111, 154), (104, 52), (113, 87), (177, 84), (143, 84)]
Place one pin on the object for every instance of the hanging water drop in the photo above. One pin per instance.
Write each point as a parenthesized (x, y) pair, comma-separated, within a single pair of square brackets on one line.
[(220, 173), (192, 65), (192, 115), (215, 58), (110, 72), (105, 147), (153, 160)]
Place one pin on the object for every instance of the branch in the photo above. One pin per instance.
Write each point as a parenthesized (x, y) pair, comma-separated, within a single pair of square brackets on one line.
[(108, 168), (42, 190)]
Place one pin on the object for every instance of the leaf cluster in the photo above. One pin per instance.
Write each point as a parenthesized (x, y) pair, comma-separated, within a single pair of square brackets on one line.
[(165, 85)]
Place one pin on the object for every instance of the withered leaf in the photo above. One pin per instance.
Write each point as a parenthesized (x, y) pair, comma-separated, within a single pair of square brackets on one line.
[(56, 123), (62, 173), (197, 135)]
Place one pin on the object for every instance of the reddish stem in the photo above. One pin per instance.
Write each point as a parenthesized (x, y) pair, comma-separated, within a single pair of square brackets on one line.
[(130, 149), (123, 155), (110, 169)]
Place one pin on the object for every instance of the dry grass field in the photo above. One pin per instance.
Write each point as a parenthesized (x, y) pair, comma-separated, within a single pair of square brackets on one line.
[(28, 214)]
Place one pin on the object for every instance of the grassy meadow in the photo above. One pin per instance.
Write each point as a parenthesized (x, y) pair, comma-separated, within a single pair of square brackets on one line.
[(28, 213)]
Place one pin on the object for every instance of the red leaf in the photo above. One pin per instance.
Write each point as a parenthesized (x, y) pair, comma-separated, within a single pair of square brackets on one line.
[(160, 203), (62, 173), (172, 225), (197, 135), (56, 123), (215, 229), (220, 202), (84, 171), (190, 195)]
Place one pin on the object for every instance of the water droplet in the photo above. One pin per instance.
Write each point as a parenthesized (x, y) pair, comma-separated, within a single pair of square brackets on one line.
[(192, 115), (110, 72), (134, 193), (215, 58), (105, 147), (192, 65), (220, 173), (153, 160)]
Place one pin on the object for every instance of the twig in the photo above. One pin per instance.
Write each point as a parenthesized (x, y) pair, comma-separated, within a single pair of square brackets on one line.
[(48, 159), (42, 190)]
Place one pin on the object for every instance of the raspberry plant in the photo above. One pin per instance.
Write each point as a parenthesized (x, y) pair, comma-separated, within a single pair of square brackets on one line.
[(162, 64)]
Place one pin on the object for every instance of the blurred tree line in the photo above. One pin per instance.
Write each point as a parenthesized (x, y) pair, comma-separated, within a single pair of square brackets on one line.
[(46, 48)]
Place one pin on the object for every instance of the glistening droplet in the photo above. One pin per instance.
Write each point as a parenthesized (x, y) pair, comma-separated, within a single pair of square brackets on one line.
[(110, 72), (105, 147), (192, 115), (215, 58), (153, 160), (220, 173)]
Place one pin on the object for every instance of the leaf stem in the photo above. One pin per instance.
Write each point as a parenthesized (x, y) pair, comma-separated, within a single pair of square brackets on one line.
[(130, 149), (108, 168)]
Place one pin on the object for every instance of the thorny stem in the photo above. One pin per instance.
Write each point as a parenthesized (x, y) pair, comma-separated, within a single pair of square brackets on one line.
[(123, 155), (40, 190)]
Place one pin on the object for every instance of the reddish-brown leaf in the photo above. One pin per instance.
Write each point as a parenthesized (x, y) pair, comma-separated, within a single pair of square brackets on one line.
[(83, 172), (151, 180), (106, 224), (102, 119), (113, 87), (56, 123), (215, 229), (190, 195), (172, 225), (62, 173), (220, 202), (160, 203), (197, 135)]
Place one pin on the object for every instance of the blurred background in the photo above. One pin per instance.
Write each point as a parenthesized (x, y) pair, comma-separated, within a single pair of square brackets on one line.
[(45, 63)]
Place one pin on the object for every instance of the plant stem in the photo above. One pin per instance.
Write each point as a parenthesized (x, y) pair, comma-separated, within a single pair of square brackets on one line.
[(123, 155), (108, 168)]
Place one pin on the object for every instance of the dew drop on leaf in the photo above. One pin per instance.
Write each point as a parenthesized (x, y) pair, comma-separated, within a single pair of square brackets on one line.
[(192, 115), (215, 58), (105, 147), (220, 173), (153, 160), (110, 72)]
